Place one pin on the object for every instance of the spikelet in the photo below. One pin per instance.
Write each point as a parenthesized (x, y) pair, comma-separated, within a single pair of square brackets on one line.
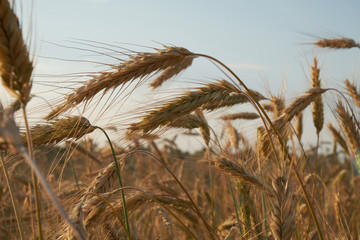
[(353, 92), (337, 43), (318, 106), (138, 67), (204, 127), (210, 96), (242, 115), (15, 65), (349, 127), (60, 129), (282, 218), (172, 71), (233, 134), (299, 125)]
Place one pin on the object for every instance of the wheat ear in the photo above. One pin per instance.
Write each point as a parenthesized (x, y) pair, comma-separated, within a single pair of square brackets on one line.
[(338, 138), (318, 106), (353, 92), (282, 219), (349, 127), (338, 43), (138, 67), (15, 65), (207, 97), (242, 115)]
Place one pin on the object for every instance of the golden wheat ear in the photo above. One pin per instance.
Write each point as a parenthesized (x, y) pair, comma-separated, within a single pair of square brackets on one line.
[(139, 66), (15, 65), (337, 43)]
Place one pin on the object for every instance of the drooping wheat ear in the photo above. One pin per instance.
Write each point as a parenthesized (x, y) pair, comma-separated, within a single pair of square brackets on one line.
[(337, 43), (296, 107), (299, 125), (353, 92), (338, 138), (60, 129), (172, 71), (77, 217), (15, 65), (234, 169), (204, 127), (138, 67), (242, 115), (349, 127), (282, 218), (190, 121), (106, 179), (233, 134), (318, 106), (210, 96), (177, 204)]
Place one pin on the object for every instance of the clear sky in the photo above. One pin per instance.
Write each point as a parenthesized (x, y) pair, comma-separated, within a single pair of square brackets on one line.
[(259, 39), (266, 42)]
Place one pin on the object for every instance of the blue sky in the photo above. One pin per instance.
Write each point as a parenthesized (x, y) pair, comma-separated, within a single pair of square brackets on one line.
[(259, 39), (267, 43)]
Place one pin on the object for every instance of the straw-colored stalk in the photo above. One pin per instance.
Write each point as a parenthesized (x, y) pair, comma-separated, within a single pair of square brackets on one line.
[(139, 66), (337, 43), (353, 92), (318, 106), (15, 65), (349, 127), (210, 96)]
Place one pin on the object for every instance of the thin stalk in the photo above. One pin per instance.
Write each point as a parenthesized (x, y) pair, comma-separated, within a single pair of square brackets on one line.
[(18, 219), (211, 182), (114, 211), (119, 178), (263, 200), (33, 176), (235, 205), (196, 209), (272, 144), (49, 191), (74, 172)]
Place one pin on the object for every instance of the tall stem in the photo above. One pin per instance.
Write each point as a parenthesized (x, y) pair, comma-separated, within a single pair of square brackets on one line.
[(276, 133), (18, 219), (119, 177), (33, 176)]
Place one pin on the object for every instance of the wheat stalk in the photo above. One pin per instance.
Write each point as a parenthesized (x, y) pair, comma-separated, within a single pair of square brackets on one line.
[(138, 67)]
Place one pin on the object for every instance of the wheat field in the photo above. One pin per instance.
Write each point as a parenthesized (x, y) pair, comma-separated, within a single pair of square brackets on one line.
[(60, 182)]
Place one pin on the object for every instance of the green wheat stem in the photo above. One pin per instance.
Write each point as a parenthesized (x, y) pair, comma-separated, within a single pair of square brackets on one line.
[(119, 178)]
